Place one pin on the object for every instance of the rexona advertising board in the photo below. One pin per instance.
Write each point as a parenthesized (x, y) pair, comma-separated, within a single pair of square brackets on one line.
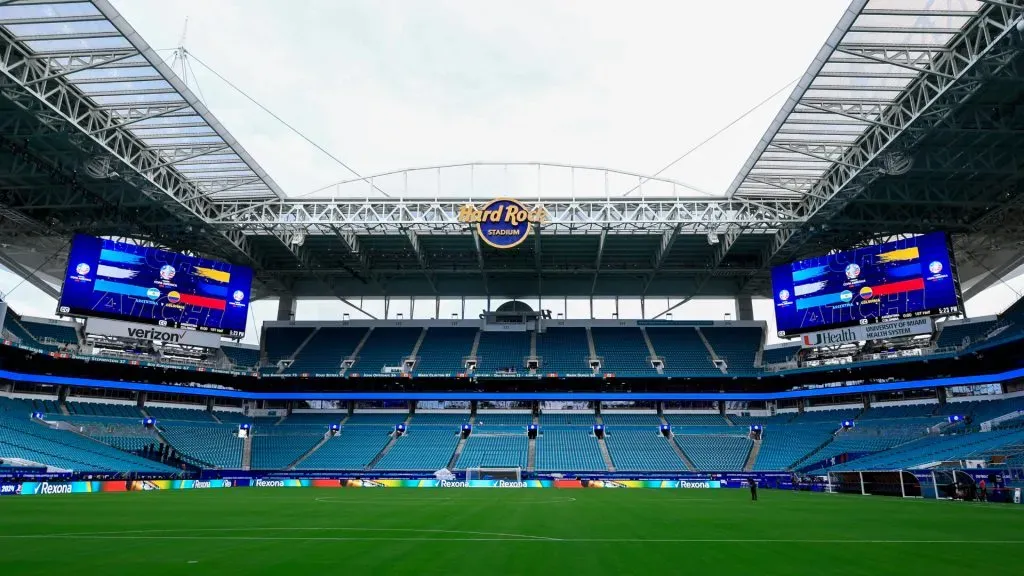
[(89, 487), (503, 222)]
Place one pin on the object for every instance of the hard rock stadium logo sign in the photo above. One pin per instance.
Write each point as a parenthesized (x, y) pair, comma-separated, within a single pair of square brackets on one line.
[(503, 222)]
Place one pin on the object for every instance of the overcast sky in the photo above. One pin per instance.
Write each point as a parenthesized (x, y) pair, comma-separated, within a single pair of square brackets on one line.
[(389, 84)]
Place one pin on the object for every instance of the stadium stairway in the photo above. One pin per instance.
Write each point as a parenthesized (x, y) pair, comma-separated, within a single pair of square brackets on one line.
[(387, 447), (752, 457), (306, 454), (714, 356), (605, 455), (247, 453), (458, 452), (682, 455)]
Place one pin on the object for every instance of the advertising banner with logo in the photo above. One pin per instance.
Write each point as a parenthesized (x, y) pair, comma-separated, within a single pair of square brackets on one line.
[(152, 333), (435, 483), (689, 484), (10, 489), (884, 331), (503, 222)]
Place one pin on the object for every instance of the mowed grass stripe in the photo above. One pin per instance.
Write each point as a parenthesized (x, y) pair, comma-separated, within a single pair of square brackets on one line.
[(283, 531)]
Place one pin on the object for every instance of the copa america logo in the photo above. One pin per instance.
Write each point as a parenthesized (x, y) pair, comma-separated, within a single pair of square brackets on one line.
[(238, 295), (83, 269), (852, 271), (935, 267), (167, 272), (783, 295)]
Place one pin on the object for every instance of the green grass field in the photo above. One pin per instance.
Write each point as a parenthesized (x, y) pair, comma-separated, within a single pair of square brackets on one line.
[(492, 531)]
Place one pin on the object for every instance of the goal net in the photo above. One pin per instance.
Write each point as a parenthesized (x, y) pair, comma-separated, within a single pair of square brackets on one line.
[(508, 474)]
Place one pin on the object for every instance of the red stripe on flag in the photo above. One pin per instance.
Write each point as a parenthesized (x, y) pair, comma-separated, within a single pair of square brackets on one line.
[(897, 287), (203, 301)]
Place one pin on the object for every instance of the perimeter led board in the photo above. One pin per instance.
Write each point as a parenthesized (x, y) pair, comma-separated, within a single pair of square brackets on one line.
[(902, 279), (108, 279)]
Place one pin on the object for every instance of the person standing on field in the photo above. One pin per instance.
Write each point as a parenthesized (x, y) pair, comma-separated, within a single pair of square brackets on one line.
[(753, 489)]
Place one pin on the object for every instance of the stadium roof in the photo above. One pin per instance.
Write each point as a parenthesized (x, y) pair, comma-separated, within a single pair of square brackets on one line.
[(907, 121), (133, 95)]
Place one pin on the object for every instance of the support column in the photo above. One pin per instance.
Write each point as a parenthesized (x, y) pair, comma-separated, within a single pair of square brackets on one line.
[(286, 308), (744, 308), (940, 395)]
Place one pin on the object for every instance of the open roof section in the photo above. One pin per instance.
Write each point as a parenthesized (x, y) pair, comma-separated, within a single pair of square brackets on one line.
[(878, 49), (91, 47)]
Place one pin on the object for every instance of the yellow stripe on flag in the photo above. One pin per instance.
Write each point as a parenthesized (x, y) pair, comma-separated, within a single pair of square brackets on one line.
[(217, 275), (898, 255)]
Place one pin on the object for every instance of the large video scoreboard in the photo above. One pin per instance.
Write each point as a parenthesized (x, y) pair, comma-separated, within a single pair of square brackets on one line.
[(903, 279), (108, 279)]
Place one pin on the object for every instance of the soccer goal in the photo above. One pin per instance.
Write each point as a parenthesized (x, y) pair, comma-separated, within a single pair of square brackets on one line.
[(483, 473)]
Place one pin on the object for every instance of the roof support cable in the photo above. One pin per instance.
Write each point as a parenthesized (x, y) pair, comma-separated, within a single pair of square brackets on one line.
[(713, 136), (286, 124)]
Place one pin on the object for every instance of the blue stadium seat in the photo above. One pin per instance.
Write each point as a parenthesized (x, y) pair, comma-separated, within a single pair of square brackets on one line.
[(502, 352), (961, 334), (623, 351), (353, 449), (738, 346), (564, 351), (713, 452), (205, 445), (568, 449), (501, 419), (638, 419), (276, 447), (424, 448), (443, 350), (280, 343), (387, 346), (499, 448), (683, 351), (52, 333), (780, 355), (191, 414), (641, 449), (242, 357), (325, 351)]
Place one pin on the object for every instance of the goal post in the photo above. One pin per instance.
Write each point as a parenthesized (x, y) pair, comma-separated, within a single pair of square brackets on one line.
[(486, 473)]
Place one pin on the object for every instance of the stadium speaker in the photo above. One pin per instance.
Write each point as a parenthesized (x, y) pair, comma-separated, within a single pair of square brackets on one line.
[(467, 429), (599, 430), (399, 429), (666, 430), (532, 431), (149, 422)]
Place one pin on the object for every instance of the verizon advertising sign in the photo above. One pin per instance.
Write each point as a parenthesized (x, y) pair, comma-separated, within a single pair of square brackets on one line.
[(151, 333), (883, 331)]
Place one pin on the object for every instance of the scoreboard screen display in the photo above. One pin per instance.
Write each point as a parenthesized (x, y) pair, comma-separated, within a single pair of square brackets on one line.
[(108, 279), (902, 279)]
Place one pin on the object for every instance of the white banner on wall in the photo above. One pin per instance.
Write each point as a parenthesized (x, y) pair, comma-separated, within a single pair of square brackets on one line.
[(882, 331), (152, 333)]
